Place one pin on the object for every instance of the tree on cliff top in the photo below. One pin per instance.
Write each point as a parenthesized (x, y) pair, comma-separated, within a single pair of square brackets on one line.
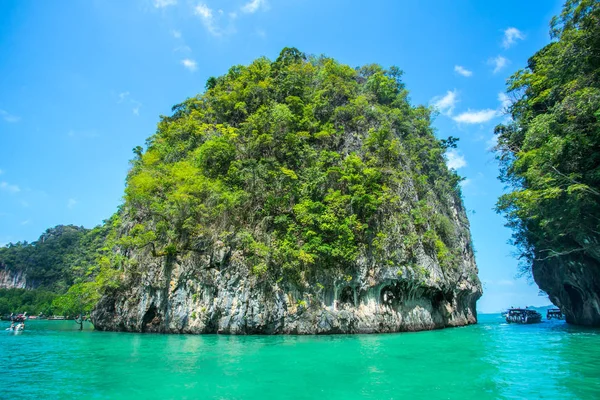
[(550, 154), (299, 164)]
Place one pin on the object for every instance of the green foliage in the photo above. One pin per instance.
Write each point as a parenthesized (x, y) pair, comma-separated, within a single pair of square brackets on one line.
[(79, 299), (61, 256), (550, 154), (310, 162), (32, 302), (301, 303)]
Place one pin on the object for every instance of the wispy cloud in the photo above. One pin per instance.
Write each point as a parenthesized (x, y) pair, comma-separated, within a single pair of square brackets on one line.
[(253, 6), (1, 172), (511, 35), (136, 107), (499, 63), (462, 71), (208, 19), (71, 203), (8, 117), (505, 102), (189, 64), (445, 104), (183, 49), (164, 3), (176, 34), (465, 182), (476, 117), (123, 96), (455, 160), (219, 23), (7, 187), (26, 222)]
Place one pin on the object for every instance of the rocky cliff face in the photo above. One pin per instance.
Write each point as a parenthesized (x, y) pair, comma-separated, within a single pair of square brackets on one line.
[(12, 279), (216, 292), (188, 296), (573, 284)]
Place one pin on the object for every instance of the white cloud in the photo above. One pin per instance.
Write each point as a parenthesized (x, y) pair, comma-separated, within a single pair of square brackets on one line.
[(7, 187), (164, 3), (189, 64), (465, 182), (476, 117), (9, 117), (207, 18), (253, 6), (511, 35), (26, 222), (455, 160), (445, 104), (462, 71), (176, 34), (71, 203), (498, 63)]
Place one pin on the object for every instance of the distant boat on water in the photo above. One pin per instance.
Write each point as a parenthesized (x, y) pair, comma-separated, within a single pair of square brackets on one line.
[(554, 313), (522, 316)]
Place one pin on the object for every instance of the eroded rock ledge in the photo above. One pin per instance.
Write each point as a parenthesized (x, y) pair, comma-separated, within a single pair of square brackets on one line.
[(185, 296)]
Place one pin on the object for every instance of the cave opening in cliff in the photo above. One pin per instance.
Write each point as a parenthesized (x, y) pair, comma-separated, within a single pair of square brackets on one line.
[(150, 318), (574, 296), (391, 295), (347, 296), (437, 297)]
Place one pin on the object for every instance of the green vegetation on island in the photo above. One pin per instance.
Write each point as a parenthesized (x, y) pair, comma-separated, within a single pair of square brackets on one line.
[(62, 257), (303, 164)]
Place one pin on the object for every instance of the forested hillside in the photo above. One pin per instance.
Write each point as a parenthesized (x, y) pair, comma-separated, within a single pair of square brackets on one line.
[(550, 158)]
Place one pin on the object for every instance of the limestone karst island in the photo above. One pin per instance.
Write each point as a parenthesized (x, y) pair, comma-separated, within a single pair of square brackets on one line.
[(292, 217)]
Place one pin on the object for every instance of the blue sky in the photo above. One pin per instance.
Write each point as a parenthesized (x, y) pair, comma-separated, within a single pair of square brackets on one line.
[(84, 82)]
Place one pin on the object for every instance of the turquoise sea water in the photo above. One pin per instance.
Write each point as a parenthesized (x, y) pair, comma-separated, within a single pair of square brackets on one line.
[(551, 360)]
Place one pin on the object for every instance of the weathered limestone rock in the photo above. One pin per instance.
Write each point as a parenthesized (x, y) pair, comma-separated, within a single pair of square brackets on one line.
[(573, 285), (200, 294), (12, 279)]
